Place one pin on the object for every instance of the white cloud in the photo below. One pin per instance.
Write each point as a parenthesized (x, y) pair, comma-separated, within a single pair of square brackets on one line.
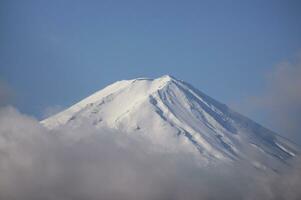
[(279, 102), (36, 163)]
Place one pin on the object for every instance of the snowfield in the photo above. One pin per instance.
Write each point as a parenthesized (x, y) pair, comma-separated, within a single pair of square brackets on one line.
[(166, 107)]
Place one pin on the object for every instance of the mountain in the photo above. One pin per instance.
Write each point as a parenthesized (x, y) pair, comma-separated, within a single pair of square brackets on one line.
[(165, 105)]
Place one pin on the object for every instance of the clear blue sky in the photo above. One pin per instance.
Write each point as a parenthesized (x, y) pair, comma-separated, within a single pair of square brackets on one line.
[(57, 52)]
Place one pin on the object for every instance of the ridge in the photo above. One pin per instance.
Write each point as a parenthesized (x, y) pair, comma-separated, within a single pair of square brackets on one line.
[(167, 106)]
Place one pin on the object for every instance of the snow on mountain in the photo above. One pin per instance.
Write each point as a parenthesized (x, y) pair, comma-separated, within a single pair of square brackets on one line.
[(156, 107)]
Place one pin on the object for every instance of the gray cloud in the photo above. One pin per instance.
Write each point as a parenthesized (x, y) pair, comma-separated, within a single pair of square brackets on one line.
[(282, 98), (279, 102), (85, 163), (6, 93)]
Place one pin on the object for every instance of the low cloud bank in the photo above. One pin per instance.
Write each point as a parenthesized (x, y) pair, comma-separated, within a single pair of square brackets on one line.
[(85, 163)]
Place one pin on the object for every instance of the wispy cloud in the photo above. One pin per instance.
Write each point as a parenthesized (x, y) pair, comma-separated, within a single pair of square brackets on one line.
[(280, 99), (51, 110), (6, 93)]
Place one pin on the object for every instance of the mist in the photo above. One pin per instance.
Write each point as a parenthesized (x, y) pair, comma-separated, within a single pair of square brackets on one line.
[(85, 163), (281, 99)]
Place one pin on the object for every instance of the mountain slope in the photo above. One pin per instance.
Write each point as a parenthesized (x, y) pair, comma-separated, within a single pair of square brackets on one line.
[(165, 105)]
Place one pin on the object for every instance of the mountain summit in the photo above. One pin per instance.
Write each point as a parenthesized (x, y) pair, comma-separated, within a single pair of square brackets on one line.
[(169, 106)]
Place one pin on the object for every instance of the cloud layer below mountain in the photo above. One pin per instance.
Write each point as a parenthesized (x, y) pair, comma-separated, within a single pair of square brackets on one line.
[(84, 163)]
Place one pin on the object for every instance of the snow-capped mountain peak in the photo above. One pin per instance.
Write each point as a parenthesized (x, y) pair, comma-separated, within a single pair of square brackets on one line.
[(165, 105)]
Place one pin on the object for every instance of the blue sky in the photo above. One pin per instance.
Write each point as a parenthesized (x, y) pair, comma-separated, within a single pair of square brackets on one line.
[(54, 53)]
